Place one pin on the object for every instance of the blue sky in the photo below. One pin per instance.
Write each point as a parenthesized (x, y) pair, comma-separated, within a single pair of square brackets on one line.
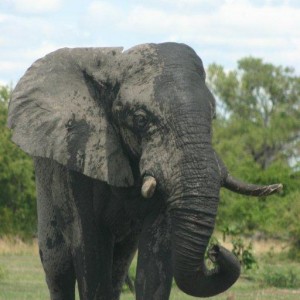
[(220, 31)]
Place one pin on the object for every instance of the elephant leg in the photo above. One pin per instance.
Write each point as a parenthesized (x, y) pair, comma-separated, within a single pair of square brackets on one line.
[(154, 268), (124, 252), (90, 244), (54, 253)]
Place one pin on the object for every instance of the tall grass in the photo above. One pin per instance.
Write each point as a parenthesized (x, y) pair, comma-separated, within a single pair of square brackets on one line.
[(15, 245)]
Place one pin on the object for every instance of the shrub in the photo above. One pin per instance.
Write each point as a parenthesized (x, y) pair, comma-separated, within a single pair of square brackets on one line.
[(280, 278), (244, 253)]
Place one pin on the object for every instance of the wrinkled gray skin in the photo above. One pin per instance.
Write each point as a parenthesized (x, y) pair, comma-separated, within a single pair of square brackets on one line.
[(97, 121)]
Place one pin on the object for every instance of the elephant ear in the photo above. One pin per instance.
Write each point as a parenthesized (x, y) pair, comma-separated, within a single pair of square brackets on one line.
[(60, 109)]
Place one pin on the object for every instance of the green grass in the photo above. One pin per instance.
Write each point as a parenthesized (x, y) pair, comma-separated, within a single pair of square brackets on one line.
[(23, 278)]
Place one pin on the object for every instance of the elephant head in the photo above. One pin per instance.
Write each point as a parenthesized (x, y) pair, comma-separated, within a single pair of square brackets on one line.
[(142, 114)]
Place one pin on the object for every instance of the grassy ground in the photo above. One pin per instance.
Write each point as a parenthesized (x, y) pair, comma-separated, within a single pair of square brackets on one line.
[(21, 277)]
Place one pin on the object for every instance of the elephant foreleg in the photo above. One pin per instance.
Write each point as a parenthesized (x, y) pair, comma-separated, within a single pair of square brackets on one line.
[(88, 247), (124, 252), (91, 243), (55, 256), (154, 269)]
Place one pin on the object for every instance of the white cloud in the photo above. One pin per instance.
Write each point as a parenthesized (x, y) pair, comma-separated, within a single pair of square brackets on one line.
[(3, 18), (2, 41), (234, 29), (40, 51), (148, 20), (219, 30), (205, 5), (11, 66), (102, 11), (232, 18), (270, 20), (36, 6)]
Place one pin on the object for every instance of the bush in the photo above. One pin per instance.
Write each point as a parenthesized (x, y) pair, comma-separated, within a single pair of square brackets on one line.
[(244, 253), (280, 278), (292, 225), (17, 188), (242, 250)]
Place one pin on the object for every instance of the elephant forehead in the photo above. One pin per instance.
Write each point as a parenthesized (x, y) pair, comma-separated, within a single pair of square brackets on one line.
[(142, 66), (141, 63), (138, 94), (156, 74), (180, 57)]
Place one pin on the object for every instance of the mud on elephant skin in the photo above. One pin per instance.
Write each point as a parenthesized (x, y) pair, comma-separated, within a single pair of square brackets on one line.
[(122, 147)]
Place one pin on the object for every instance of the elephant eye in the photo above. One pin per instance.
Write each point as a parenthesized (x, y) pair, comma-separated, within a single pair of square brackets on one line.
[(140, 120)]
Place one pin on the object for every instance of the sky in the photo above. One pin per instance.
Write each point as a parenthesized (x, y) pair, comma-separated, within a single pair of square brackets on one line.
[(220, 31)]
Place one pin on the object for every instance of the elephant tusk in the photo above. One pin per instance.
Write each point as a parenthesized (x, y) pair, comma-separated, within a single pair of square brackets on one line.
[(240, 187), (149, 186), (251, 189)]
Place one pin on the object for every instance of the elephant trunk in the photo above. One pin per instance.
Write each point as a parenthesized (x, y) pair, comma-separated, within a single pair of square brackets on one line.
[(191, 231), (193, 218), (193, 212)]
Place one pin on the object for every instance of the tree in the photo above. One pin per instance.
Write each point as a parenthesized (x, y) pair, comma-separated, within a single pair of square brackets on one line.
[(257, 133), (17, 191), (263, 102)]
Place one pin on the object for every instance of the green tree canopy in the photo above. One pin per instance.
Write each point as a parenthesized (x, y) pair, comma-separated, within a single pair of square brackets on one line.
[(17, 191), (263, 102), (257, 133)]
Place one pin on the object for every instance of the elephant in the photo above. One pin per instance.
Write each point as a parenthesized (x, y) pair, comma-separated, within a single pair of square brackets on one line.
[(121, 143)]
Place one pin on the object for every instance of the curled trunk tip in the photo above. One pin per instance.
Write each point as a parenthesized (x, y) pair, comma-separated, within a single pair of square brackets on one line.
[(190, 236), (208, 283)]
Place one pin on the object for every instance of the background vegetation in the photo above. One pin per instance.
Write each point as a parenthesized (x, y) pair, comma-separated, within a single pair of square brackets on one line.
[(17, 189), (256, 132)]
